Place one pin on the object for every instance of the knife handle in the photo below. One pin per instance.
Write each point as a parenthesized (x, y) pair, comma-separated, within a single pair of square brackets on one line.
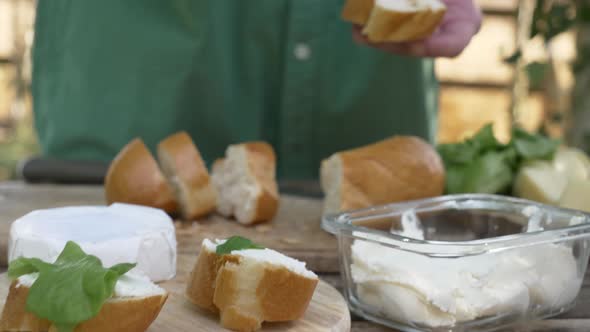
[(48, 170)]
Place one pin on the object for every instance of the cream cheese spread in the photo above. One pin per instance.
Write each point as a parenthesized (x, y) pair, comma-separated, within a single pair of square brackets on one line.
[(434, 291)]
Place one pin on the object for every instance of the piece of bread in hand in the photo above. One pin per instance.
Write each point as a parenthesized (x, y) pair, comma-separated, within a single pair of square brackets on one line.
[(395, 20), (134, 177), (245, 181), (396, 169), (186, 172), (134, 306), (251, 286)]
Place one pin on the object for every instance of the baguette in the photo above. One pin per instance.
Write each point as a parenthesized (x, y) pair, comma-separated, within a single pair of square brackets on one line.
[(134, 177), (125, 313), (395, 20), (187, 174), (396, 169), (245, 181), (248, 287)]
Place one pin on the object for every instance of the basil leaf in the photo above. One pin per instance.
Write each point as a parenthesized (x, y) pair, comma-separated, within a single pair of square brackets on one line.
[(490, 174), (482, 164), (454, 179), (71, 290), (485, 139), (236, 243), (465, 152), (461, 153), (122, 268), (533, 146), (22, 266)]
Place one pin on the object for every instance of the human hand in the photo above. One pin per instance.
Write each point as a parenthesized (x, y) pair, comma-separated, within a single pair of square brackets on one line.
[(460, 23)]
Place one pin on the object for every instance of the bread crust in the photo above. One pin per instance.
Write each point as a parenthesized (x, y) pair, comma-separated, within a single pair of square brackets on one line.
[(134, 177), (116, 315), (257, 167), (14, 315), (262, 164), (247, 292), (186, 172), (357, 11), (396, 169), (385, 25), (390, 26), (201, 283), (284, 295)]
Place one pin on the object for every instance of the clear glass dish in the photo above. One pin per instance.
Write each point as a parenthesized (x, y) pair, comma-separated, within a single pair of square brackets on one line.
[(485, 262)]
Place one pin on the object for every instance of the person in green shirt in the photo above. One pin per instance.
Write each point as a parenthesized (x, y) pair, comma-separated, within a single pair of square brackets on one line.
[(288, 72)]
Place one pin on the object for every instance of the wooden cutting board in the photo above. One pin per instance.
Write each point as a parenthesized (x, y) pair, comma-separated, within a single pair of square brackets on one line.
[(295, 230), (326, 312)]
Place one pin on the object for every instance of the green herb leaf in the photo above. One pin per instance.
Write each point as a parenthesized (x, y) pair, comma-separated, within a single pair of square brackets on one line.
[(236, 243), (70, 291), (485, 139), (24, 266), (481, 164), (533, 146), (465, 152), (454, 179), (489, 174)]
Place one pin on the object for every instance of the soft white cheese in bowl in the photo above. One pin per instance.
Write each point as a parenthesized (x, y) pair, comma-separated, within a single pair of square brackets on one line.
[(461, 262), (119, 233)]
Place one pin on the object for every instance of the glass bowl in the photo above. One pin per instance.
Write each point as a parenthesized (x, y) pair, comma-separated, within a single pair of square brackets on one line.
[(461, 262)]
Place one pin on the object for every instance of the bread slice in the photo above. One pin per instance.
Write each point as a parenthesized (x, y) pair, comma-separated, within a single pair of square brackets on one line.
[(135, 305), (395, 20), (134, 177), (396, 169), (250, 286), (357, 11), (246, 182), (186, 172)]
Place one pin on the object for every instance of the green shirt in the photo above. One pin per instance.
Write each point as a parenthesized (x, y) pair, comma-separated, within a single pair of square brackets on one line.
[(226, 71)]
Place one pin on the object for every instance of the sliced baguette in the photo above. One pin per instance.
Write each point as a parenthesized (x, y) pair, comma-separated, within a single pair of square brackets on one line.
[(185, 170), (134, 177), (245, 181), (357, 11), (396, 169), (250, 286), (395, 20), (118, 314)]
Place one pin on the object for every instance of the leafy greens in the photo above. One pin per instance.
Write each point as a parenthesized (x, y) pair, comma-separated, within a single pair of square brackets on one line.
[(481, 164), (236, 243), (71, 290)]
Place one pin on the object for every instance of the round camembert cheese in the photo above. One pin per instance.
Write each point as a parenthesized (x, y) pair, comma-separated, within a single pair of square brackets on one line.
[(119, 233)]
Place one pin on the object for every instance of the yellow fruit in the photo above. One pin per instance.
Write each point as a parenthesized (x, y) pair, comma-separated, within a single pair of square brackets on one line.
[(576, 195), (539, 181), (573, 162)]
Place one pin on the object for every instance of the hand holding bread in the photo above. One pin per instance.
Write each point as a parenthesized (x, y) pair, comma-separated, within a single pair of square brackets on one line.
[(424, 28)]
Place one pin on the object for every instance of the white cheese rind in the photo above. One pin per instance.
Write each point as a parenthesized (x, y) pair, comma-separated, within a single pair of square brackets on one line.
[(119, 233)]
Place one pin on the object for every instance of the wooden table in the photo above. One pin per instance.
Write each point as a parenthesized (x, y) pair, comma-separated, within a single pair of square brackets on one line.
[(318, 249)]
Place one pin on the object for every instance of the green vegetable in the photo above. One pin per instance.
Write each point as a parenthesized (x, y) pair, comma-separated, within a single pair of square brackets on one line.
[(481, 164), (236, 243), (71, 290), (532, 147)]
